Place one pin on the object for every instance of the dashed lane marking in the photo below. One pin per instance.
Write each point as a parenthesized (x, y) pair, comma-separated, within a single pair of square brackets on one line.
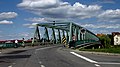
[(42, 66), (10, 66), (40, 62), (44, 48), (97, 65)]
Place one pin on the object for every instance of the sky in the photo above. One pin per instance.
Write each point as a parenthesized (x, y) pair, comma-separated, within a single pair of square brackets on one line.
[(18, 17)]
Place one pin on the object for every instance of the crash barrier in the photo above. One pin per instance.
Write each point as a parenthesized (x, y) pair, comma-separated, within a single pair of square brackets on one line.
[(13, 45), (9, 45), (82, 43)]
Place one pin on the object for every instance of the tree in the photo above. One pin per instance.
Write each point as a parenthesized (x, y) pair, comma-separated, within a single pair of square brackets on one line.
[(105, 40)]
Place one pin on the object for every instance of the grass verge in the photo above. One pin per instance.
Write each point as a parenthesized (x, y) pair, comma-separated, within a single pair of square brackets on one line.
[(106, 50)]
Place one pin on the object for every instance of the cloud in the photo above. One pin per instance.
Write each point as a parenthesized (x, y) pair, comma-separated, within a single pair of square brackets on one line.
[(7, 15), (59, 9), (30, 25), (21, 35), (41, 20), (35, 19), (6, 22), (102, 28), (101, 31), (39, 3), (110, 15), (24, 34), (105, 26)]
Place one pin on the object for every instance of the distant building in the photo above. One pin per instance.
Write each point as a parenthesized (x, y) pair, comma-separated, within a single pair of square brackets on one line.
[(99, 35), (116, 38)]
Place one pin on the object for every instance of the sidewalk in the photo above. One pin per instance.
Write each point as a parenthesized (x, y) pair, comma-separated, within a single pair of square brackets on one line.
[(7, 50)]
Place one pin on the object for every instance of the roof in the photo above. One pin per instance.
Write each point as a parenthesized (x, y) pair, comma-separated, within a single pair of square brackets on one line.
[(115, 33)]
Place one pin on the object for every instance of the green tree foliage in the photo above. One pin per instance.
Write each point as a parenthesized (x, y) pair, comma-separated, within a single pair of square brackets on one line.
[(105, 40)]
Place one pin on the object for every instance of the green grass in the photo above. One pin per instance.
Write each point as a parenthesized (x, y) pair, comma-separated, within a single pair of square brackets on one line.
[(107, 50)]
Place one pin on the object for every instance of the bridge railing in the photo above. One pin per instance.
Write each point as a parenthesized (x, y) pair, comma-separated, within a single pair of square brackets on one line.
[(81, 43)]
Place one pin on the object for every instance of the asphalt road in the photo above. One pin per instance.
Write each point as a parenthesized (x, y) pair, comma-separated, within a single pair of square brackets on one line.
[(56, 56)]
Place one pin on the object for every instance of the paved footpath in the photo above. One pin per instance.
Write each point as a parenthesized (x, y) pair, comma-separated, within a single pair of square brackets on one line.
[(7, 50)]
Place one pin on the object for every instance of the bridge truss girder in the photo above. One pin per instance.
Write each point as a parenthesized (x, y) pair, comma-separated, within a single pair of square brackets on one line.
[(66, 27)]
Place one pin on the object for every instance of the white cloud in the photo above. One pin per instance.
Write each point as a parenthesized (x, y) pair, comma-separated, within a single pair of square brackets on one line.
[(110, 15), (59, 9), (6, 22), (39, 3), (41, 20), (35, 19), (24, 34), (30, 25), (63, 10), (106, 26), (101, 31), (21, 35), (7, 15)]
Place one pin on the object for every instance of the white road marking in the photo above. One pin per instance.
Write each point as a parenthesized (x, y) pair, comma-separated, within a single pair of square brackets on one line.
[(44, 48), (10, 66), (40, 62), (95, 62), (0, 52), (85, 58), (97, 65), (42, 66)]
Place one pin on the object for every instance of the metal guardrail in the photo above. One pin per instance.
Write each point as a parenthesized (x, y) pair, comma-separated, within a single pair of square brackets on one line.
[(9, 45), (81, 43), (12, 45)]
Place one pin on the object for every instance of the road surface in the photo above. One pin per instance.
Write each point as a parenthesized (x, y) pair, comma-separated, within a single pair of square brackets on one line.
[(55, 56)]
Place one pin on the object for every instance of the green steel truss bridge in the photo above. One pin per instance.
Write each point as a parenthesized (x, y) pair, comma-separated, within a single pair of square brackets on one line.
[(67, 32)]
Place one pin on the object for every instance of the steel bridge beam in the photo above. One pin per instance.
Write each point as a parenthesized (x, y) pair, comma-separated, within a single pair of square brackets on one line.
[(53, 34), (68, 27), (46, 34), (59, 35)]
